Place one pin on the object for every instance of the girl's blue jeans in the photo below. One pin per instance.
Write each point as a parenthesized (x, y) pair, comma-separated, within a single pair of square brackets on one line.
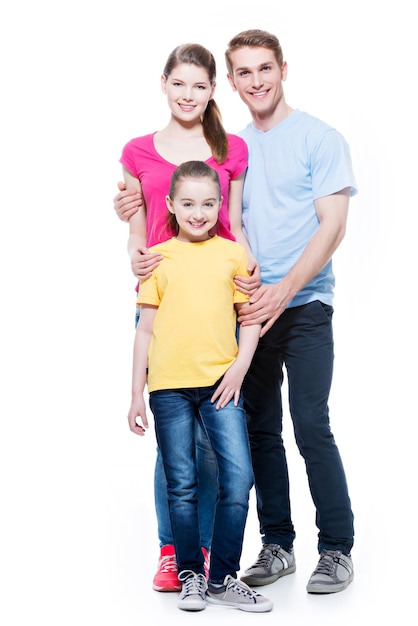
[(176, 412)]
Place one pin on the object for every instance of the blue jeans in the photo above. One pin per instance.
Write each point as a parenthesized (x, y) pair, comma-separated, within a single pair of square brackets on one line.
[(207, 491), (175, 414), (301, 340), (207, 470)]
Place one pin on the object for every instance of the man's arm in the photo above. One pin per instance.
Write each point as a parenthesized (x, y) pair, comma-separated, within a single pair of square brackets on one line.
[(269, 302), (142, 262), (127, 202)]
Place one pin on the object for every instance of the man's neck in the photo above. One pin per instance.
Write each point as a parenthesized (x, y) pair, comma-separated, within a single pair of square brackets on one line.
[(270, 120)]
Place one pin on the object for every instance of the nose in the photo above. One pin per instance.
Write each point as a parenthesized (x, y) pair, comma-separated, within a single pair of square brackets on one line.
[(198, 213), (188, 94), (257, 80)]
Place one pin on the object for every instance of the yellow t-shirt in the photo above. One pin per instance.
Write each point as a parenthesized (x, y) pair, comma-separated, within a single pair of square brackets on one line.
[(193, 341)]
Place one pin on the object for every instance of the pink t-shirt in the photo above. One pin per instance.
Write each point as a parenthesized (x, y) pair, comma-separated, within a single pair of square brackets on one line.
[(141, 159)]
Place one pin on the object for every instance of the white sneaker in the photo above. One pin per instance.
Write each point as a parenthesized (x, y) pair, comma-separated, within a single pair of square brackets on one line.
[(238, 595), (192, 596)]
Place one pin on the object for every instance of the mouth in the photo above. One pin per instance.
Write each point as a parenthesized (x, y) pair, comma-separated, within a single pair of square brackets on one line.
[(259, 94), (187, 108)]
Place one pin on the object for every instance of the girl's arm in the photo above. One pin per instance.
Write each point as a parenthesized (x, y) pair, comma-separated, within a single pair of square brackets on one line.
[(139, 369), (230, 386), (142, 263), (250, 284)]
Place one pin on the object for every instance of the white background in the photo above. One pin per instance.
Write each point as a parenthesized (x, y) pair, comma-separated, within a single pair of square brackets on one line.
[(79, 79)]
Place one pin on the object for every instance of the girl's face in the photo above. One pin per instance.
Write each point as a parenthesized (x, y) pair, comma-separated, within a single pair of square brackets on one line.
[(188, 91), (196, 204)]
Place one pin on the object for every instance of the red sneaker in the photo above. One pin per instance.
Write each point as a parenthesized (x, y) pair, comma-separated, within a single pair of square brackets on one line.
[(206, 564), (166, 577)]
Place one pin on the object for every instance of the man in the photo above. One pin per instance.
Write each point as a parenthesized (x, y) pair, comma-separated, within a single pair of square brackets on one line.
[(295, 206)]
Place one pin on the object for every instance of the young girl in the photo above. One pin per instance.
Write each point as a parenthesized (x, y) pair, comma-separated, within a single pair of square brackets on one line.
[(195, 131), (186, 341)]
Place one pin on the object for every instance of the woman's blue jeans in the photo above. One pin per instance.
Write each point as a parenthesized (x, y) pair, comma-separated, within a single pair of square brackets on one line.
[(176, 412)]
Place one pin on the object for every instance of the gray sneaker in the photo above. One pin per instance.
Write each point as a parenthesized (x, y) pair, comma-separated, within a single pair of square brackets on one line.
[(192, 596), (238, 595), (272, 563), (334, 572)]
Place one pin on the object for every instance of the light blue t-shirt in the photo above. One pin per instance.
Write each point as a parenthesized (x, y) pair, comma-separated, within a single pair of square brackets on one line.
[(291, 165)]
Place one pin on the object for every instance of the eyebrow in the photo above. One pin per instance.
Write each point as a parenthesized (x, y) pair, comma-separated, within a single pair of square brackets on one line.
[(214, 199), (246, 67)]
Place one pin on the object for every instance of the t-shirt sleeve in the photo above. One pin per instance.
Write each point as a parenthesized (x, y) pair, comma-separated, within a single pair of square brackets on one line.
[(148, 291), (238, 155), (128, 158), (241, 271), (331, 166)]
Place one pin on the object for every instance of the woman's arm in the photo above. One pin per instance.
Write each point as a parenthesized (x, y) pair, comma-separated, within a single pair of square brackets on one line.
[(245, 285)]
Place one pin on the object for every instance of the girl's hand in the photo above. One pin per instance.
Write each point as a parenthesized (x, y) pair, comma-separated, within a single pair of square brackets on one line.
[(136, 411)]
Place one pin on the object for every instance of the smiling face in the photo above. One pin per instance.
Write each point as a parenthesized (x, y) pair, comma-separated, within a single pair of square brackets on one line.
[(188, 91), (195, 204), (258, 79)]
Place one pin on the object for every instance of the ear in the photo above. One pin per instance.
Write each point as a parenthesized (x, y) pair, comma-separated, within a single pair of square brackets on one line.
[(284, 70), (163, 84), (231, 82), (169, 204), (212, 92)]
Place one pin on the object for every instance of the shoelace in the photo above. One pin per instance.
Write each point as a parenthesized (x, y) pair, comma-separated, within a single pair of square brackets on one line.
[(241, 588), (168, 564), (193, 584), (327, 562), (265, 558)]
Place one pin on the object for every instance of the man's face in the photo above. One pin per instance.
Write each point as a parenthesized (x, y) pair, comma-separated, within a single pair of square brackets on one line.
[(257, 77)]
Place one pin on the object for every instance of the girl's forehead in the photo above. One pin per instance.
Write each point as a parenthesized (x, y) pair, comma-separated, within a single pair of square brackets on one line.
[(200, 185)]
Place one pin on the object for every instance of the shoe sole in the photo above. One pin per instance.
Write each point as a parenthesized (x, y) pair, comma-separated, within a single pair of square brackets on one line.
[(330, 588), (254, 581), (166, 588), (189, 606), (248, 608)]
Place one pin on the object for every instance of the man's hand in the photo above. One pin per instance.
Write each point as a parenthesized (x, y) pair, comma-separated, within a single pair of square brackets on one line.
[(127, 202), (249, 284), (266, 306)]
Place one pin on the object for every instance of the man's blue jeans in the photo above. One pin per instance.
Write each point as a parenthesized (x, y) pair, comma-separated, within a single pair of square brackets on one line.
[(175, 414), (301, 340)]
